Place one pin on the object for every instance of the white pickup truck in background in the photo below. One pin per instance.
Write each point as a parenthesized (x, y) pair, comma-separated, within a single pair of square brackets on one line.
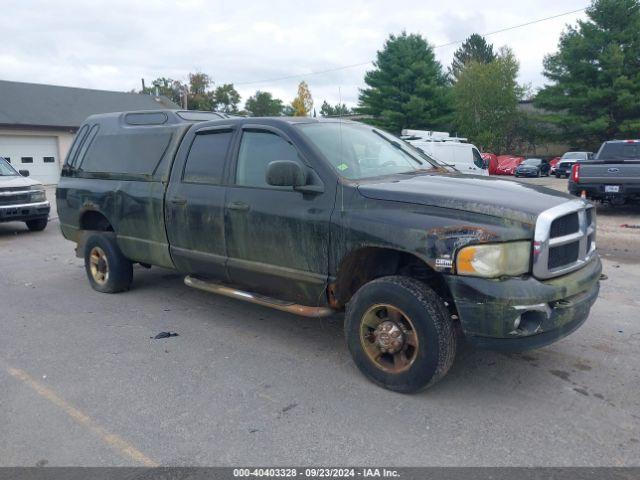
[(22, 199), (453, 151)]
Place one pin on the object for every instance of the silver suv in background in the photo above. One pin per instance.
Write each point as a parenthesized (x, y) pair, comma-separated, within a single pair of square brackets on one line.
[(563, 167), (22, 199)]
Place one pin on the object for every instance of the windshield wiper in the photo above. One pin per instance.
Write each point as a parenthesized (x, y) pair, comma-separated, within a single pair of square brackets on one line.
[(397, 145)]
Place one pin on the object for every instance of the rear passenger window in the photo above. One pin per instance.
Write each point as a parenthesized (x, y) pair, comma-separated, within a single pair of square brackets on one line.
[(257, 150), (82, 133), (135, 153), (205, 162), (85, 145)]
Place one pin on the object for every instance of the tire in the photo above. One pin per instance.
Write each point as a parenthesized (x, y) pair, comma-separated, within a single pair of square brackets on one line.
[(557, 175), (37, 225), (423, 311), (108, 270), (538, 174)]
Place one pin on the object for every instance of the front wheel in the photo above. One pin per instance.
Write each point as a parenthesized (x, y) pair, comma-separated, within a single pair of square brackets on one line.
[(108, 270), (37, 225), (400, 334)]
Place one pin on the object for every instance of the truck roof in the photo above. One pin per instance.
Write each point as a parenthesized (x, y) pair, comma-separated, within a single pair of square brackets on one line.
[(173, 117)]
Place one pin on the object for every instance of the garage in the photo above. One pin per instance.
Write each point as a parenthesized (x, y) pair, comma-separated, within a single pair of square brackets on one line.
[(38, 154), (38, 122)]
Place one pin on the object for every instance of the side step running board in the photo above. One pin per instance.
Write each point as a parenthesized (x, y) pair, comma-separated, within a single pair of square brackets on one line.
[(289, 307)]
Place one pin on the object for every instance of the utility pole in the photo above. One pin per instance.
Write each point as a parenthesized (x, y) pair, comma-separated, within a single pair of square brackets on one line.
[(184, 94), (143, 87)]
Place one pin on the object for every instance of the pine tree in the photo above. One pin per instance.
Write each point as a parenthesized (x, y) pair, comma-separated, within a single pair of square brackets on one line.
[(594, 94), (406, 88), (474, 49)]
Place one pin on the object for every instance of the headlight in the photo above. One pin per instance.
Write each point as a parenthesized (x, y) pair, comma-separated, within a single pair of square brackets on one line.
[(38, 194), (494, 260)]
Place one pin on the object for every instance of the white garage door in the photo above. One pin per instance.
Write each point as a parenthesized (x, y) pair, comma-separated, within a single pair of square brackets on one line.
[(37, 154)]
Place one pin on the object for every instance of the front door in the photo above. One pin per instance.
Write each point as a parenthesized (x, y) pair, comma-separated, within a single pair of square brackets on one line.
[(277, 237), (195, 204)]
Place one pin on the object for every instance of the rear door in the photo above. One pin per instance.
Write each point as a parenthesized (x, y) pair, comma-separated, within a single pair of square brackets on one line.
[(195, 203), (277, 237)]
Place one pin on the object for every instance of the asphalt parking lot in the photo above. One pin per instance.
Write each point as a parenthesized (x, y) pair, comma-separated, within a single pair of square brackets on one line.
[(83, 383)]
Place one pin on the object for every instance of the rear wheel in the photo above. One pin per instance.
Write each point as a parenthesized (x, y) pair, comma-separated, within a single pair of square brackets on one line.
[(37, 225), (108, 270), (399, 333)]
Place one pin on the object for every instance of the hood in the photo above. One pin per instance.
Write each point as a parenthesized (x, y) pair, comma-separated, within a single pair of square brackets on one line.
[(16, 181), (526, 167), (470, 193)]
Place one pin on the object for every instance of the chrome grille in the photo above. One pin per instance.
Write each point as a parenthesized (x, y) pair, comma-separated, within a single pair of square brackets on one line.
[(564, 239), (14, 196), (565, 225)]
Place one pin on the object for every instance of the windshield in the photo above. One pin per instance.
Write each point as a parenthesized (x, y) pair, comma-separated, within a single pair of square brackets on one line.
[(532, 161), (6, 170), (361, 151), (573, 155)]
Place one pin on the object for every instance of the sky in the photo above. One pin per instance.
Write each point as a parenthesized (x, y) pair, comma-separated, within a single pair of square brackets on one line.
[(112, 44)]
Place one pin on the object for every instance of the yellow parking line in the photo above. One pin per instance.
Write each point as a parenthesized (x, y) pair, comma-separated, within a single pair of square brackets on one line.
[(110, 439)]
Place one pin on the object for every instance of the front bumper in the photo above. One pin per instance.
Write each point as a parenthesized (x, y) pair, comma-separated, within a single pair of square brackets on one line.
[(548, 310), (596, 190), (24, 212)]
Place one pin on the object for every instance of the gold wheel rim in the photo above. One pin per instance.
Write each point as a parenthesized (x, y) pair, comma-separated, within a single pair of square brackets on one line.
[(99, 265), (389, 338)]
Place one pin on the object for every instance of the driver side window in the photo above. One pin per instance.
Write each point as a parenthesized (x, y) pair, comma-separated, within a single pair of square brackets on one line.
[(478, 161), (257, 150)]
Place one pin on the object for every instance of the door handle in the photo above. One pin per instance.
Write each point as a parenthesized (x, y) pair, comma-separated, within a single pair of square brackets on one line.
[(240, 206), (179, 201)]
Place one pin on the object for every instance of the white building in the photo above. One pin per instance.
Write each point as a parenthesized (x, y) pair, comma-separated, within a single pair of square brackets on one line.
[(38, 122)]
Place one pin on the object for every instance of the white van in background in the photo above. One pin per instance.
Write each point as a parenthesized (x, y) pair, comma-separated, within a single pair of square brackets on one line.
[(449, 150)]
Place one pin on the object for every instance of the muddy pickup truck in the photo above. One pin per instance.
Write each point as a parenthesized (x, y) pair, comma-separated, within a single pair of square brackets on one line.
[(315, 217), (22, 199), (613, 176)]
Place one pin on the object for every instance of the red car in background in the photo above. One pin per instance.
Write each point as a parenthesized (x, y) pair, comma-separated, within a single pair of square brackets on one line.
[(507, 164)]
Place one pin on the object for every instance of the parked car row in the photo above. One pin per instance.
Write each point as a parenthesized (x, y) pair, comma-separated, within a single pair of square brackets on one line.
[(520, 166)]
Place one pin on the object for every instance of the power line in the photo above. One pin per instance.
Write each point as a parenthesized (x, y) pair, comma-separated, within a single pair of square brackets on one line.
[(353, 65)]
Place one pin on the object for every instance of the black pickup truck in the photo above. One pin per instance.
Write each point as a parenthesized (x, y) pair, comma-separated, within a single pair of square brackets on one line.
[(314, 217), (613, 176)]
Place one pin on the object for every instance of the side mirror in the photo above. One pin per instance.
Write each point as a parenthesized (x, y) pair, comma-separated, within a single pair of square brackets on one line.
[(24, 173), (285, 173)]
